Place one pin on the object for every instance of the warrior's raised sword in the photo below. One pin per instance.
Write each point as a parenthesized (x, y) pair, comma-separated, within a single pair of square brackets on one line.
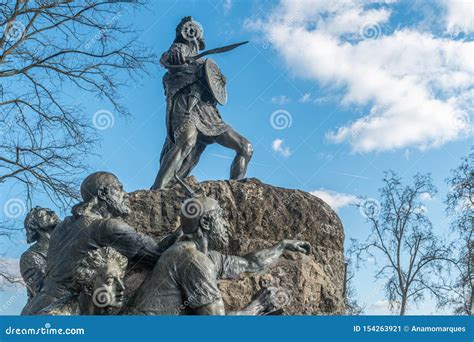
[(218, 50)]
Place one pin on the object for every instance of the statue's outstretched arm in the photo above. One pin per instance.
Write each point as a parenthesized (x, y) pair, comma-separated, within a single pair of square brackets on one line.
[(135, 246), (259, 261)]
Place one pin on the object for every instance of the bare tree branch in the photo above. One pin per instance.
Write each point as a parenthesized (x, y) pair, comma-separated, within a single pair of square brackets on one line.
[(53, 52), (459, 293)]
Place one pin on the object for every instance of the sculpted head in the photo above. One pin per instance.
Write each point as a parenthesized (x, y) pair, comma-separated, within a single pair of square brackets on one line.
[(105, 189), (100, 276), (39, 220), (190, 31), (203, 215)]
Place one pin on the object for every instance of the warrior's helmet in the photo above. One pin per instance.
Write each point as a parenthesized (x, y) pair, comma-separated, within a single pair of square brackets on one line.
[(189, 30)]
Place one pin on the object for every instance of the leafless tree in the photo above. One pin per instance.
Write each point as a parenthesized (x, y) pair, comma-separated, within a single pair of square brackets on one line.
[(53, 52), (459, 293), (401, 236)]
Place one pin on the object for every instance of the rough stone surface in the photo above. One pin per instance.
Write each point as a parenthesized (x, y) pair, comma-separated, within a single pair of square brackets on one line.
[(259, 216)]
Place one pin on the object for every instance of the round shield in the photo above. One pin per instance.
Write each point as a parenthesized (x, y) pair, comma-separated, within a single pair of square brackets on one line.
[(215, 81)]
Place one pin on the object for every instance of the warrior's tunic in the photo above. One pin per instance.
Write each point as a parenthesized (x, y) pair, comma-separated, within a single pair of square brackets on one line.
[(183, 82)]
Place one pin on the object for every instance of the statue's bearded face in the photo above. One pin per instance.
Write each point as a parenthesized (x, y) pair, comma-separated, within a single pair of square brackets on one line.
[(117, 199), (46, 218), (108, 288), (218, 233)]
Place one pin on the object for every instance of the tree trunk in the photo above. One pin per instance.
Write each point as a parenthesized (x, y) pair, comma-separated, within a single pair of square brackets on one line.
[(471, 277), (403, 305)]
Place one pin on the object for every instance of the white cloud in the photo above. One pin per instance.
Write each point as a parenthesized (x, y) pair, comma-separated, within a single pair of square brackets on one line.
[(425, 196), (227, 6), (280, 99), (335, 199), (278, 147), (305, 98), (418, 86), (459, 16), (380, 304)]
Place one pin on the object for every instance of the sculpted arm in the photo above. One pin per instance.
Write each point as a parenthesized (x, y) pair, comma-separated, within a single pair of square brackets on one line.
[(199, 284), (261, 260), (136, 246), (233, 266)]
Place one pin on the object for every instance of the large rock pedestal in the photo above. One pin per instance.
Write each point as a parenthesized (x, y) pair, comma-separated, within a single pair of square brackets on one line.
[(259, 216)]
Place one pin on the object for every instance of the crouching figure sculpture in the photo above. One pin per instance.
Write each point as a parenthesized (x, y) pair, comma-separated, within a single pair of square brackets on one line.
[(184, 279)]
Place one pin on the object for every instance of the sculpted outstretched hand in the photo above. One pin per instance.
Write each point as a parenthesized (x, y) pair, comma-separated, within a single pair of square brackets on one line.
[(297, 246)]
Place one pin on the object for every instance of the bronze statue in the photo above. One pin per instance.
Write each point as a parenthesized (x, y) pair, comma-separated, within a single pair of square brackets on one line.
[(184, 280), (99, 280), (96, 222), (39, 224), (193, 88)]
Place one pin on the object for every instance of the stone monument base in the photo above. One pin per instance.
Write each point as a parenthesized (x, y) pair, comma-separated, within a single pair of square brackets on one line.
[(259, 216)]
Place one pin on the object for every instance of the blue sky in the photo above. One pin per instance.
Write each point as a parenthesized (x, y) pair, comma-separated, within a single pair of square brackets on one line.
[(364, 86)]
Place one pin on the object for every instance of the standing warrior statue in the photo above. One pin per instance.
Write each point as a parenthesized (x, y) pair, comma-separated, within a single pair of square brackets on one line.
[(39, 224), (193, 88)]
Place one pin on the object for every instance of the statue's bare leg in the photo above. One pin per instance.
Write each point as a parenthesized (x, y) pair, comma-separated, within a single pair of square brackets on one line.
[(191, 160), (233, 140), (173, 159)]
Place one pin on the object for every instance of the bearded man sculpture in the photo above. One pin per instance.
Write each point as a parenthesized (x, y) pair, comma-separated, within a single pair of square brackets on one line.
[(39, 224), (193, 88), (96, 222), (184, 280), (99, 282)]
